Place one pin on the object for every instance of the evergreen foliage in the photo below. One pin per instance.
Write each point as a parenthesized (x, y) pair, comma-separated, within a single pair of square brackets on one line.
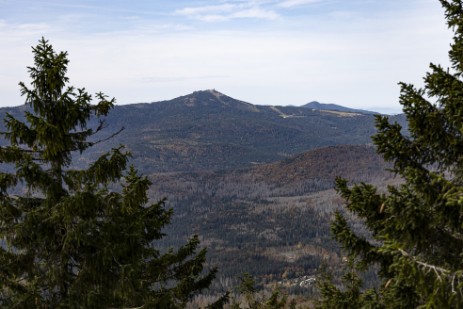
[(416, 227), (81, 238)]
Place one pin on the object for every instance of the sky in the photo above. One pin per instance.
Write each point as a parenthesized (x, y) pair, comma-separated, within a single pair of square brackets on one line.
[(266, 52)]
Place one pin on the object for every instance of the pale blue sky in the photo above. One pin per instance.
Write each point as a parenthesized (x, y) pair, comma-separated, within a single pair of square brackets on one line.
[(273, 52)]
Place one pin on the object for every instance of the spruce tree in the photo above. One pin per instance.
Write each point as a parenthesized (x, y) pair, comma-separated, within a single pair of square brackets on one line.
[(81, 238), (416, 227)]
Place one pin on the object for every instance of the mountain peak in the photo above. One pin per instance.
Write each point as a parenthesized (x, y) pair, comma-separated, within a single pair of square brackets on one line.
[(207, 91), (214, 92), (211, 93), (212, 98)]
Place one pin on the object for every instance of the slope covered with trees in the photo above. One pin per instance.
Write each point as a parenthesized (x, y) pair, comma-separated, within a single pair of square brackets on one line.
[(271, 220)]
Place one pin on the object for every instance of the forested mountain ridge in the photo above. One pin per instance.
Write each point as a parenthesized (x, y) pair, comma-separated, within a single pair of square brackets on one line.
[(207, 130)]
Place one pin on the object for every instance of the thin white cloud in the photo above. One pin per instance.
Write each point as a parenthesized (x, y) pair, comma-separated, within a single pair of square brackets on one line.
[(294, 3), (255, 12), (23, 29), (206, 10), (228, 11)]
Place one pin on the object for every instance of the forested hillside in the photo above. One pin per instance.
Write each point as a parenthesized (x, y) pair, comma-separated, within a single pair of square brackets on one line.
[(270, 220)]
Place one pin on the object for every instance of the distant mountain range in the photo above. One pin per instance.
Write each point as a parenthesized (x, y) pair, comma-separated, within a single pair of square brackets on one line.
[(207, 130)]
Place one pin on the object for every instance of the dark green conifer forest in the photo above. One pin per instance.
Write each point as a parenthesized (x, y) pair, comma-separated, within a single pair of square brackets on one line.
[(416, 240), (81, 238)]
